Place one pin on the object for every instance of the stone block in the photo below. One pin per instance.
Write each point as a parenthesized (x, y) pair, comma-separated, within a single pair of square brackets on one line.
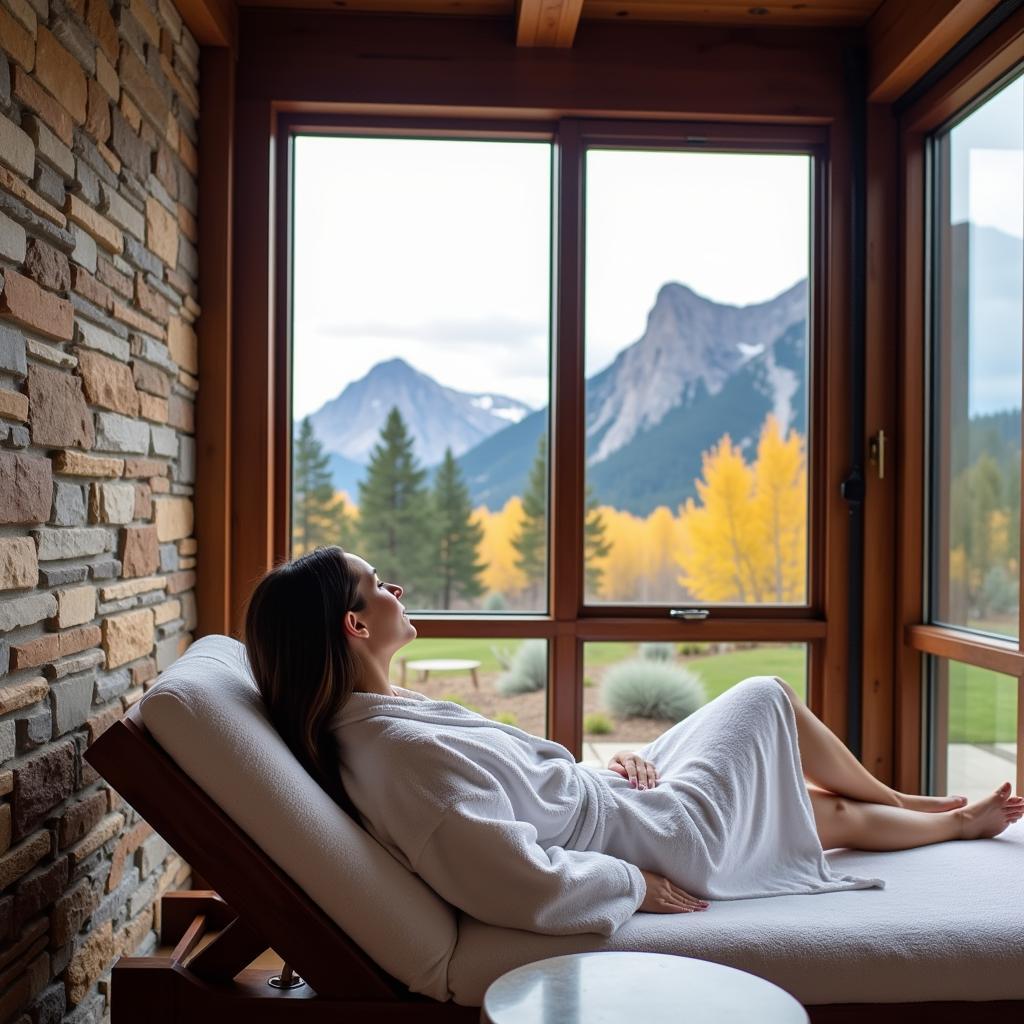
[(143, 501), (167, 652), (89, 962), (13, 405), (168, 557), (18, 41), (16, 149), (7, 745), (131, 588), (84, 252), (78, 464), (107, 383), (68, 505), (40, 889), (106, 78), (20, 859), (178, 582), (139, 551), (88, 287), (25, 611), (129, 315), (144, 87), (12, 236), (148, 378), (97, 123), (144, 467), (111, 502), (114, 279), (84, 663), (47, 266), (26, 487), (153, 408), (23, 694), (105, 569), (108, 235), (101, 833), (50, 148), (12, 349), (17, 436), (143, 671), (75, 640), (36, 98), (125, 142), (101, 24), (50, 185), (173, 518), (75, 606), (127, 636), (40, 783), (26, 302), (6, 905), (70, 912), (50, 1006), (72, 542), (121, 212), (72, 700), (113, 685), (19, 567), (94, 337), (61, 576), (183, 344), (33, 729), (59, 72), (80, 818), (60, 417), (30, 653), (118, 433), (50, 354), (164, 441)]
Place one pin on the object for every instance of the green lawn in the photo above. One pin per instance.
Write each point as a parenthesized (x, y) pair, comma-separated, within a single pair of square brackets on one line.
[(982, 704)]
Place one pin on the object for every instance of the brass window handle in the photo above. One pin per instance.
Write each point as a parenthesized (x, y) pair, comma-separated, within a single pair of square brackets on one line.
[(876, 452)]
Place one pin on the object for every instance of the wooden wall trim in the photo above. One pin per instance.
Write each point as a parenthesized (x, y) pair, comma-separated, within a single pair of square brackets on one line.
[(547, 22), (212, 22), (214, 330), (908, 37), (994, 655)]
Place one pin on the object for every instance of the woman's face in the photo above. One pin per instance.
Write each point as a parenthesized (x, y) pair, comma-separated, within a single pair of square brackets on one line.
[(382, 613)]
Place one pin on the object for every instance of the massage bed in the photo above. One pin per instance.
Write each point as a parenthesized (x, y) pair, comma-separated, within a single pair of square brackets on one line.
[(292, 872)]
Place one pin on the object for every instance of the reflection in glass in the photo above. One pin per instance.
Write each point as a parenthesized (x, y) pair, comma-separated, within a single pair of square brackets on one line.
[(975, 729), (506, 680), (420, 351), (697, 309), (978, 297), (633, 692)]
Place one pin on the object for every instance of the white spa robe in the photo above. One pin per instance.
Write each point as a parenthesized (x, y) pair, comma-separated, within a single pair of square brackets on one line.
[(510, 829)]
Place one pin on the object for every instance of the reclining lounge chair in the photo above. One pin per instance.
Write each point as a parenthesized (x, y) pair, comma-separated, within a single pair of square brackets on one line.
[(292, 872)]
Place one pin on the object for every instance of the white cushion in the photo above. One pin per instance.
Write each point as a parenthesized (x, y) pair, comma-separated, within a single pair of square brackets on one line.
[(949, 925), (206, 713)]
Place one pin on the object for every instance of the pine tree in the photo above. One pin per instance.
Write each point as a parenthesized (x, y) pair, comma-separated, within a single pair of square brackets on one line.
[(316, 520), (396, 523), (595, 544), (531, 541), (458, 536)]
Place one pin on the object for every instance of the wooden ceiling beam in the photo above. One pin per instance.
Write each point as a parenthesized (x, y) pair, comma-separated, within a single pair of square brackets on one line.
[(547, 22), (907, 37), (212, 22)]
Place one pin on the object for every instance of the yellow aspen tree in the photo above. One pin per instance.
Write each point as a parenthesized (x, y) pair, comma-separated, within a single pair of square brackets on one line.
[(661, 548), (722, 553), (496, 552), (622, 566), (780, 501)]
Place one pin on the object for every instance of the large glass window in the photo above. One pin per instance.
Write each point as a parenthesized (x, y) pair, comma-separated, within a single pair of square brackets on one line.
[(420, 363), (697, 312), (978, 288)]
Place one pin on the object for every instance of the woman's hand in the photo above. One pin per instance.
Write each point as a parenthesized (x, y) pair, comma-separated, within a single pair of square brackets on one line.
[(665, 898), (641, 774)]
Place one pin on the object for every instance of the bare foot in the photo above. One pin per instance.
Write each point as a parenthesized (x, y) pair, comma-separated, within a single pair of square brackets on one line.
[(932, 804), (986, 818)]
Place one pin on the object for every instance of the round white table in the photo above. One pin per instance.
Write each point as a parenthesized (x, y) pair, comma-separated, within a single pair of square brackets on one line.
[(649, 988), (427, 665)]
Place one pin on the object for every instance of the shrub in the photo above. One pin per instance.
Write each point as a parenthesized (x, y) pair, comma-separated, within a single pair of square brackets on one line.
[(527, 671), (495, 602), (506, 718), (597, 724), (462, 702), (588, 681), (690, 648), (648, 689), (658, 651)]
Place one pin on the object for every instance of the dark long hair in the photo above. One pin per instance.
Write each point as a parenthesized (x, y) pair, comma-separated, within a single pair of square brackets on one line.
[(301, 659)]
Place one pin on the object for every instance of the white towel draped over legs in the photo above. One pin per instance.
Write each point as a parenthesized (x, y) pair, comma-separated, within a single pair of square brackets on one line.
[(730, 817)]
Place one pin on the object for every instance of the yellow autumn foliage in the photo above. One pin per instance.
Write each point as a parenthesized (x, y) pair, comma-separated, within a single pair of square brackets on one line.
[(496, 552)]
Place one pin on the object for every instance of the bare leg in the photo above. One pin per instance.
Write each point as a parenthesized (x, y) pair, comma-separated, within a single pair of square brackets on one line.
[(828, 763), (866, 826)]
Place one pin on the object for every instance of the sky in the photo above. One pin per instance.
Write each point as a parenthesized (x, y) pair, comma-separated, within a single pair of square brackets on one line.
[(438, 252)]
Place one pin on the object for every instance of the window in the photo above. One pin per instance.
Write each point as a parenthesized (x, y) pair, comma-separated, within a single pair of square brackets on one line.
[(458, 304)]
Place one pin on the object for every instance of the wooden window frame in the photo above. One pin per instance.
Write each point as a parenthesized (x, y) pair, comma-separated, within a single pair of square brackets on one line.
[(979, 71), (299, 87)]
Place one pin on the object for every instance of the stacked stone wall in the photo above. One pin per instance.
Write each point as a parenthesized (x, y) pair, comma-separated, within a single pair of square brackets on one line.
[(98, 364)]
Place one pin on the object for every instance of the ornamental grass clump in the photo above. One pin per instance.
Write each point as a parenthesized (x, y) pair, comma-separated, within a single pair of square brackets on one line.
[(641, 688), (527, 669), (597, 724), (657, 651)]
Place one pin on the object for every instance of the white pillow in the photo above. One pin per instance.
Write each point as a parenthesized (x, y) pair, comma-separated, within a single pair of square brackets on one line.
[(208, 716)]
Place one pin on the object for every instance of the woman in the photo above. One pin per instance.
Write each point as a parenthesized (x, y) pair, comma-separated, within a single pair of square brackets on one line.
[(510, 829)]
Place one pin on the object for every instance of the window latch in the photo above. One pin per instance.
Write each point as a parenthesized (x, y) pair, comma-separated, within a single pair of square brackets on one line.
[(690, 614), (876, 452)]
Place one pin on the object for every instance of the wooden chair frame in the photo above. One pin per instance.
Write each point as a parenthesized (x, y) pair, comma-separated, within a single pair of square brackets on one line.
[(256, 906)]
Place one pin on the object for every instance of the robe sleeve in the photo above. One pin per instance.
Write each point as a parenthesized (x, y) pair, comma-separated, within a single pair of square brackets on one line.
[(495, 871)]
